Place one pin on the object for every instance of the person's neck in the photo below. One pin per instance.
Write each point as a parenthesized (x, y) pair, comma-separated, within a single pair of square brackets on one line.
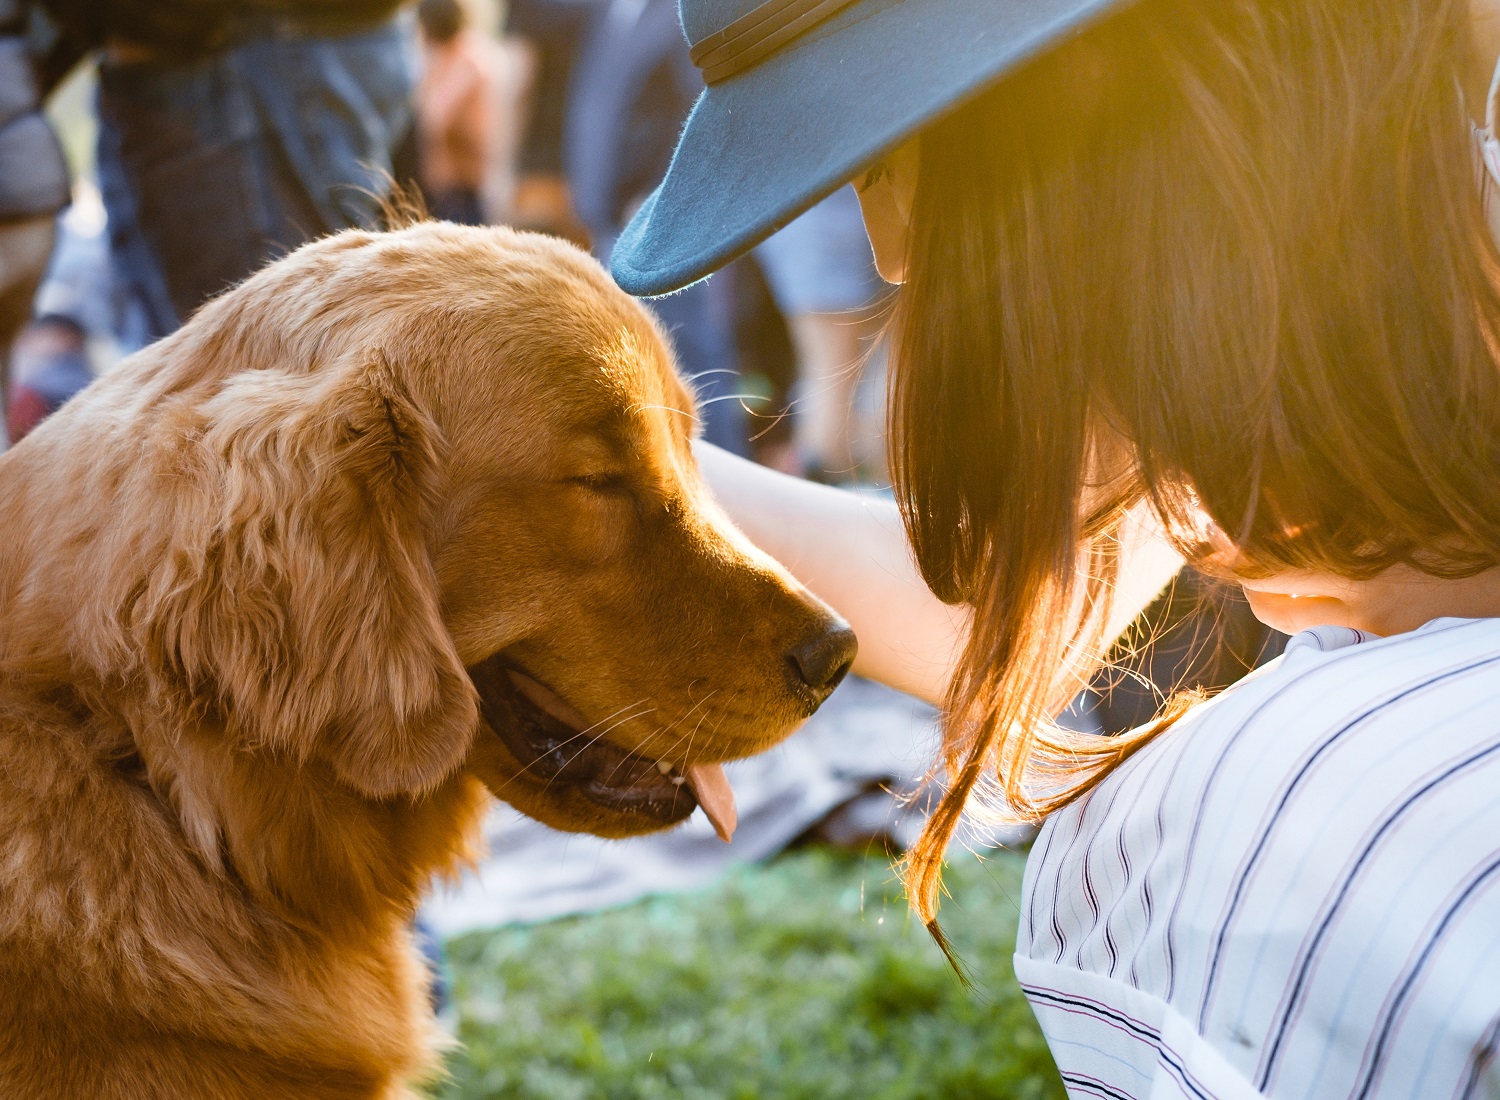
[(1396, 601)]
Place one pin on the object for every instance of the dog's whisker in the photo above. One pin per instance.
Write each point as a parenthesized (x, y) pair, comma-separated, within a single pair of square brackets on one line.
[(689, 713), (592, 740), (740, 397), (609, 717), (671, 755), (665, 408), (585, 732), (685, 742), (664, 730), (697, 726), (599, 736), (645, 748), (602, 733)]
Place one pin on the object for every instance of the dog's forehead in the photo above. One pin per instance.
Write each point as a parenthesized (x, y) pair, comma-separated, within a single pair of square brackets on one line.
[(587, 395), (637, 371), (639, 410)]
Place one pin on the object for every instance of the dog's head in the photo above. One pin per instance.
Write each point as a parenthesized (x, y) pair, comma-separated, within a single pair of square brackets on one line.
[(426, 501)]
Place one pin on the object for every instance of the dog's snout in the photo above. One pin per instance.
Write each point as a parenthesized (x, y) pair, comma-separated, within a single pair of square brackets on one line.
[(822, 661)]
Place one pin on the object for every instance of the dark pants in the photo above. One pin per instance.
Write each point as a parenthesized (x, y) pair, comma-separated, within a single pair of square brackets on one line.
[(701, 323), (459, 205), (210, 168)]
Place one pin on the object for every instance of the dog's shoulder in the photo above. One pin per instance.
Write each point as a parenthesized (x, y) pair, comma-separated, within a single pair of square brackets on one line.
[(79, 822)]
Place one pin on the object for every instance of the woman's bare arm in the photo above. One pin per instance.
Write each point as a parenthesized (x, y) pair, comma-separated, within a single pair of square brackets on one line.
[(851, 551)]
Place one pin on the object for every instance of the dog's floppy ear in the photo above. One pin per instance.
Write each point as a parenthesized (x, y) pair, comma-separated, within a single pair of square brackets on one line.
[(303, 611)]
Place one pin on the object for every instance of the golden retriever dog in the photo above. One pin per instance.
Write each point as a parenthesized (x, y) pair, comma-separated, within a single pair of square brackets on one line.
[(402, 517)]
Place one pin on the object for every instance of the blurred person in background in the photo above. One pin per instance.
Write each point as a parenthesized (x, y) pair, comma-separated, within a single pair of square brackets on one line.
[(822, 274), (33, 181), (49, 364), (633, 85), (79, 318), (547, 34), (231, 131), (469, 104), (455, 119)]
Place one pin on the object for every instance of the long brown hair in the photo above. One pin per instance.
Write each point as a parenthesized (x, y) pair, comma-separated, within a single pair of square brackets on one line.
[(1221, 258)]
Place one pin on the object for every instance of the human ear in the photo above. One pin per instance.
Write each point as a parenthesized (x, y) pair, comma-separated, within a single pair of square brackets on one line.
[(887, 195)]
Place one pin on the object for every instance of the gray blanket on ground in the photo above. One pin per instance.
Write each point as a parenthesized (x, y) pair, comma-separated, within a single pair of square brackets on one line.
[(828, 775)]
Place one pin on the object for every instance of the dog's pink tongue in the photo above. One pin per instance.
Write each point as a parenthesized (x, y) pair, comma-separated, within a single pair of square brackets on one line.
[(715, 795)]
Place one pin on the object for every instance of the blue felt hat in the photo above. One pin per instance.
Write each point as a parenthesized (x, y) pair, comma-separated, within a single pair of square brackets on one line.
[(802, 94)]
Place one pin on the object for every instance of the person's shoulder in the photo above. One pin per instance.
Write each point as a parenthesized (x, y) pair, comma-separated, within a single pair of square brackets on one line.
[(474, 49), (1359, 687), (1341, 733), (455, 73)]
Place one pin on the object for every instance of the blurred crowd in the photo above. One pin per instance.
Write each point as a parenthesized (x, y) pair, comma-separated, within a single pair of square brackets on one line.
[(230, 131)]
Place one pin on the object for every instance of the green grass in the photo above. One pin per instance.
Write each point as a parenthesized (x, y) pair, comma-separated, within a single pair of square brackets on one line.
[(803, 978)]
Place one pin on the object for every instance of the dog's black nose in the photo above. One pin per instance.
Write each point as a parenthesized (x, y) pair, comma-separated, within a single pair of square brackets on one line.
[(824, 659)]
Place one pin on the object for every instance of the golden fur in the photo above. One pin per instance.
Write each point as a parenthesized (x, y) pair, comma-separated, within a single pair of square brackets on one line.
[(242, 582)]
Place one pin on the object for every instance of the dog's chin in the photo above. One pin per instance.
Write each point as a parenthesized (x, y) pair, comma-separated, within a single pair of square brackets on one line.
[(538, 759)]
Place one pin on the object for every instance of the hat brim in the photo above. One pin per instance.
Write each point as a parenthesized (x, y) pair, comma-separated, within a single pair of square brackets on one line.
[(761, 148)]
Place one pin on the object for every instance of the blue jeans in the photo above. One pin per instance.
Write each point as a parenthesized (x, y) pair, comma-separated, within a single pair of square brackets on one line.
[(211, 167)]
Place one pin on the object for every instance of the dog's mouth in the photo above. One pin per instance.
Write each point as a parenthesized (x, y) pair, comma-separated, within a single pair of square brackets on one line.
[(556, 746)]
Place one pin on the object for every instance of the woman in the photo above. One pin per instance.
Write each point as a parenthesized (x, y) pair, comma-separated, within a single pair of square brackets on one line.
[(1224, 265)]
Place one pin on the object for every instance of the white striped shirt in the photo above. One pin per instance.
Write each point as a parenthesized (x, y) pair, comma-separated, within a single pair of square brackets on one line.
[(1294, 893)]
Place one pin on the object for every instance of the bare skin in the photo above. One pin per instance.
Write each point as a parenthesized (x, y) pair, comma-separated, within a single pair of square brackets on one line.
[(1398, 600), (887, 193), (851, 551)]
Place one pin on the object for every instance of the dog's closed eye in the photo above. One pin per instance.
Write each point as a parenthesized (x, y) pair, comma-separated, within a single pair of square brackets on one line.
[(602, 482)]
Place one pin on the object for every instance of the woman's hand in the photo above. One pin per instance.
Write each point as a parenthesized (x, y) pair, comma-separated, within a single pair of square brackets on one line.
[(850, 550)]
